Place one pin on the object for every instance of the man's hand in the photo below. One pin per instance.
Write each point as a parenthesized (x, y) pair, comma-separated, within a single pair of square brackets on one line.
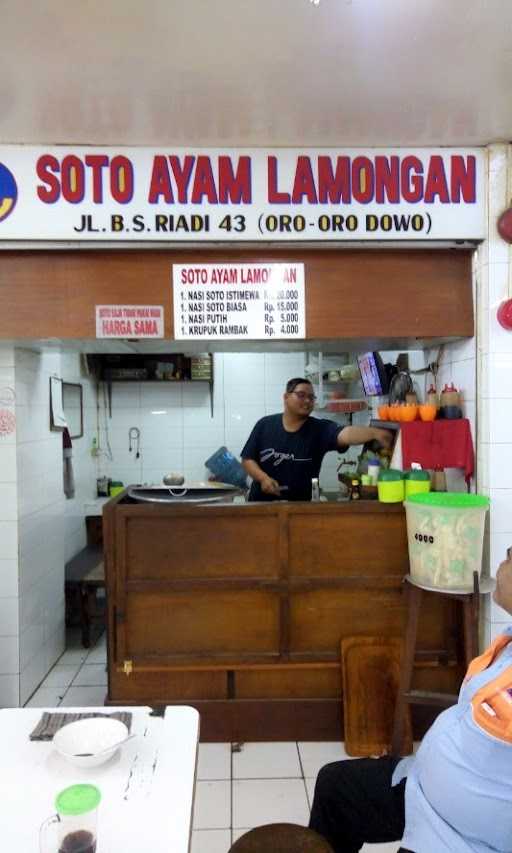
[(363, 435), (503, 591), (267, 484), (384, 437), (270, 486)]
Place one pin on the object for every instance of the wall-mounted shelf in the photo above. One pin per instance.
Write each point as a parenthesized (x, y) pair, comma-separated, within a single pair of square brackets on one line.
[(324, 365), (344, 406), (168, 369)]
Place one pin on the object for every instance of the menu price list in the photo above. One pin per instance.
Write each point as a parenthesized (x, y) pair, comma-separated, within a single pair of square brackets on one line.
[(238, 301)]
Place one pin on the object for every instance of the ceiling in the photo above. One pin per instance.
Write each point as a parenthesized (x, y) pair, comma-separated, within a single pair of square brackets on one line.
[(256, 72)]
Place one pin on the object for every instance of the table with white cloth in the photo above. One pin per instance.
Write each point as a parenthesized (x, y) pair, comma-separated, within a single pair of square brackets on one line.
[(147, 787)]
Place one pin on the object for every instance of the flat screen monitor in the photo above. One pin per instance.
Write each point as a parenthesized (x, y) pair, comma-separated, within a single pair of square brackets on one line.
[(373, 374)]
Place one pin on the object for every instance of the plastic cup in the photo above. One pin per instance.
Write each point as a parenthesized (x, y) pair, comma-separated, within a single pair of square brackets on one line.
[(428, 412), (75, 823), (408, 413)]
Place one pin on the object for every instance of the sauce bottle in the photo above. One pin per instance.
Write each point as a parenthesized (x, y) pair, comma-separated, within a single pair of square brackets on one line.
[(432, 399), (355, 492), (450, 396), (450, 402), (439, 480)]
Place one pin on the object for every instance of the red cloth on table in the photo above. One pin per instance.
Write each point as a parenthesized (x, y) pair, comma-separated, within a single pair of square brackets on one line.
[(439, 444)]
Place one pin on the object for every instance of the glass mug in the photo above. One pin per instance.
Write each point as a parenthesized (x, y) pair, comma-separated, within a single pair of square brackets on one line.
[(75, 821)]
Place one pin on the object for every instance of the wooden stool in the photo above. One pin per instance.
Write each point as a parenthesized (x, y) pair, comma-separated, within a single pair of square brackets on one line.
[(406, 696), (84, 576), (281, 838)]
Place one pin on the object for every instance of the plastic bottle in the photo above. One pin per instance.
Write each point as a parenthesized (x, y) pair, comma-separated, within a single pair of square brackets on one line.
[(432, 399), (315, 490), (450, 396), (439, 480), (373, 471), (355, 492), (450, 407)]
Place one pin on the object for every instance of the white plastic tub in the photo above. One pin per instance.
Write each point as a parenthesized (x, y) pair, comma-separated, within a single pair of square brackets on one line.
[(445, 532)]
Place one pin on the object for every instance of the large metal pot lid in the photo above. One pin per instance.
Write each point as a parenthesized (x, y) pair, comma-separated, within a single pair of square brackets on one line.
[(196, 485), (196, 492), (165, 496)]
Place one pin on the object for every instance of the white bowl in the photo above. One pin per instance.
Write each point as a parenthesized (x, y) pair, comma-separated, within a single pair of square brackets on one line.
[(91, 735)]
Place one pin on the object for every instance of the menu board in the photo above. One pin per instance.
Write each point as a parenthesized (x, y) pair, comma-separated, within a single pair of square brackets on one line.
[(238, 301)]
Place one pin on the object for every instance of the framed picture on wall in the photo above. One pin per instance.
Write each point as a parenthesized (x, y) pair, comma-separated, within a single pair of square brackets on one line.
[(72, 404)]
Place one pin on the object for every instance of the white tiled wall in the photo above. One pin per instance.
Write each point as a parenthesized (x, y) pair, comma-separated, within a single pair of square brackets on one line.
[(39, 529), (41, 508), (9, 602), (495, 375), (458, 365), (84, 464)]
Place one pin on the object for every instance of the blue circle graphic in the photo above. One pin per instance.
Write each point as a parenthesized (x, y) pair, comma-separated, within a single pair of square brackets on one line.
[(8, 192)]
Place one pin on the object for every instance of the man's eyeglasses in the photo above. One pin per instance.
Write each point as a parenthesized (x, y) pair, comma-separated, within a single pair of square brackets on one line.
[(303, 396)]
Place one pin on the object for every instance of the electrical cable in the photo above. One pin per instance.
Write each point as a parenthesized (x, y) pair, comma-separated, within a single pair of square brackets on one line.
[(108, 452)]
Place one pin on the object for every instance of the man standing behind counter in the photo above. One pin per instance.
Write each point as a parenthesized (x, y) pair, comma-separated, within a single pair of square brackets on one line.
[(284, 452)]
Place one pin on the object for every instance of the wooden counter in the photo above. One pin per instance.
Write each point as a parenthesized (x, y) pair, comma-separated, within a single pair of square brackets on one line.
[(239, 610)]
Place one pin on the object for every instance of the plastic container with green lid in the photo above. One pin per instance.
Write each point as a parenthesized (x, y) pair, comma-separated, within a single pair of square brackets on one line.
[(445, 532), (417, 481), (75, 826), (390, 486), (77, 800)]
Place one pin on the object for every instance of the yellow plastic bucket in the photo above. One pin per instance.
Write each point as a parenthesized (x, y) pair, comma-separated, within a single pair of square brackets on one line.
[(391, 492), (416, 487)]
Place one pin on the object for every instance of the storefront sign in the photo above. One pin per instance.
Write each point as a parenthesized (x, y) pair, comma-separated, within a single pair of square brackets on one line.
[(238, 301), (129, 321), (231, 195)]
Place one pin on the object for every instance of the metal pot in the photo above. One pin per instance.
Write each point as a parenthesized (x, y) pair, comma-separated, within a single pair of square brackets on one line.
[(174, 479)]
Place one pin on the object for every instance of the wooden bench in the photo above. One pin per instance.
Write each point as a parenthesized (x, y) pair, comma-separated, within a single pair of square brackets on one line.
[(84, 576)]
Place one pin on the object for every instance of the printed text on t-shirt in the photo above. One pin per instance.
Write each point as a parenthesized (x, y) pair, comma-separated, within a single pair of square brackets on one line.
[(269, 453)]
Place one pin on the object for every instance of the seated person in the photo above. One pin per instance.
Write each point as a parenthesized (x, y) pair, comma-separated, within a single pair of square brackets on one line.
[(455, 794)]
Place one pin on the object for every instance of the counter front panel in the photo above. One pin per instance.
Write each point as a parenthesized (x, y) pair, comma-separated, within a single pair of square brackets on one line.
[(241, 610)]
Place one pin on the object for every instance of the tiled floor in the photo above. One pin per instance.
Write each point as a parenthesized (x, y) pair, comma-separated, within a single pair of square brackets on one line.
[(78, 678), (264, 783), (236, 790)]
